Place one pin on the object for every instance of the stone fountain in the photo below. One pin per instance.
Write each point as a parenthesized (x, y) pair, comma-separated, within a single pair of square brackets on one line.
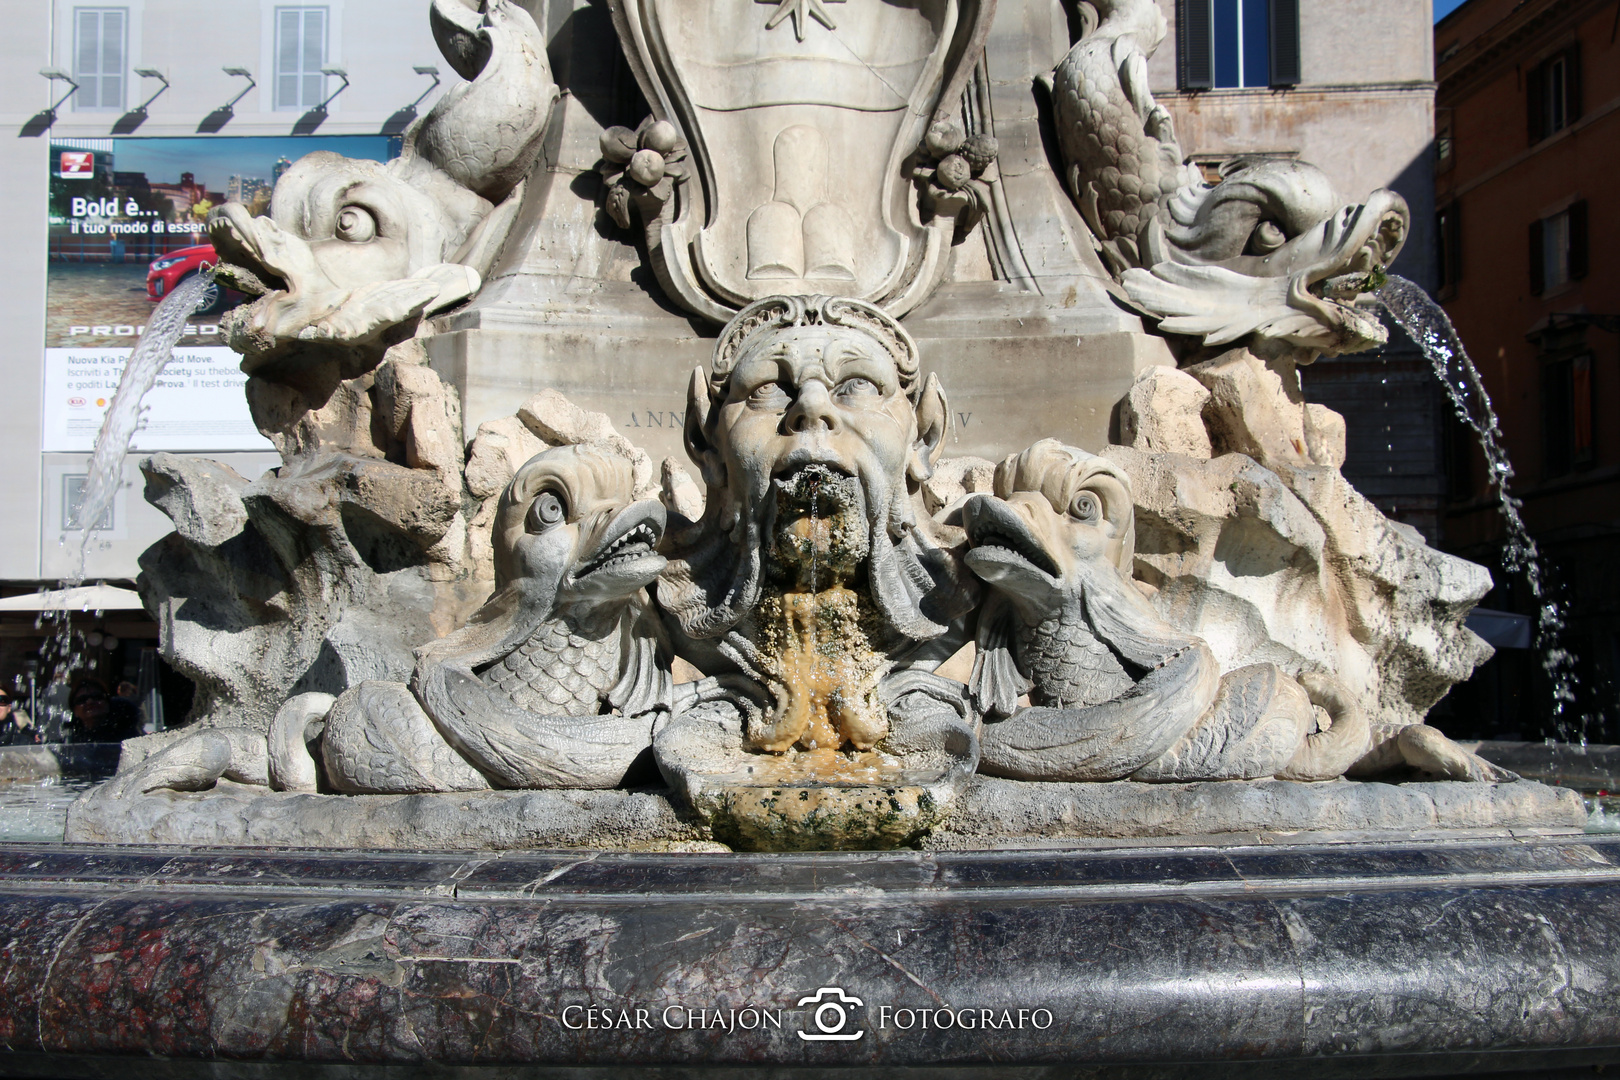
[(1101, 649)]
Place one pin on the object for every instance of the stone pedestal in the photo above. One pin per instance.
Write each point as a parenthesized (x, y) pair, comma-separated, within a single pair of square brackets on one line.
[(1024, 334), (1286, 959)]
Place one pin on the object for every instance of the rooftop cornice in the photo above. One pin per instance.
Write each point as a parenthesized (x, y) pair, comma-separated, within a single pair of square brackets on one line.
[(1483, 56)]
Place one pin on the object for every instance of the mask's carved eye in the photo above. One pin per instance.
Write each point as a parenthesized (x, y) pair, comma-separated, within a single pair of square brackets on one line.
[(546, 511), (355, 225), (1085, 507), (768, 395), (857, 387)]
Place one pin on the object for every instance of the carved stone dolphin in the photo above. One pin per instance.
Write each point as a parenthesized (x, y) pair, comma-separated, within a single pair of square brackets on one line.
[(1114, 690)]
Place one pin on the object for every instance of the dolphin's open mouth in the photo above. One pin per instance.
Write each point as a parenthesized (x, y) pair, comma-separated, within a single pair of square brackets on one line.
[(243, 263), (997, 532), (630, 537)]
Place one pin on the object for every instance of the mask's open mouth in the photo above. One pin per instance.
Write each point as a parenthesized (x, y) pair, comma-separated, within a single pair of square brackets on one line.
[(819, 530), (998, 534), (829, 488)]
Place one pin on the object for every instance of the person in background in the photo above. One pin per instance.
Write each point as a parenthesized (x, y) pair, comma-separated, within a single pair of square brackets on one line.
[(99, 718), (128, 691), (16, 726)]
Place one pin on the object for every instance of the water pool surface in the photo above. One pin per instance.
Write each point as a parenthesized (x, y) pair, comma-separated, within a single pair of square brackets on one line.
[(38, 812)]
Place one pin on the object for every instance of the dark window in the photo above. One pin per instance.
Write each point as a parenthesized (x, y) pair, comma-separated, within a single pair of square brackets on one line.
[(1566, 414), (1445, 145), (1558, 249), (1236, 43), (1553, 94), (1448, 234)]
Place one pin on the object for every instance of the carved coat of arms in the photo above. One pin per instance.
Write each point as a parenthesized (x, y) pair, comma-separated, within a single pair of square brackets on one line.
[(800, 116)]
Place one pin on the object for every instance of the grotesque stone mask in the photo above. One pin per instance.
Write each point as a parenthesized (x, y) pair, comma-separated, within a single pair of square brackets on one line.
[(808, 398)]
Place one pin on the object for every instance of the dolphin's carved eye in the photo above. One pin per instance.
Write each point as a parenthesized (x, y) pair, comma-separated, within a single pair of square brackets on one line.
[(546, 511), (1267, 237), (1085, 507), (356, 225)]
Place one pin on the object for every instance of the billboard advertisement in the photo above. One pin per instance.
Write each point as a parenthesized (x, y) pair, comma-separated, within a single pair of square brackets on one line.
[(127, 224)]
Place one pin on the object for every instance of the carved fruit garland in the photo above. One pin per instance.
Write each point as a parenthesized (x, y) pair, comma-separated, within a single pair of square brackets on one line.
[(640, 169)]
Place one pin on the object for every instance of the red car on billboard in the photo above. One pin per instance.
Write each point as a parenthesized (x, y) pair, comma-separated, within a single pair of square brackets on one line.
[(170, 270)]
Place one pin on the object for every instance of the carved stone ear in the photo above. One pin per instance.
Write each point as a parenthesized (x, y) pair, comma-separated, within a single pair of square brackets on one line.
[(933, 424), (696, 436)]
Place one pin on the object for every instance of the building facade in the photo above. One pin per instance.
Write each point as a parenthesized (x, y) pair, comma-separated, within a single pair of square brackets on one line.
[(1527, 140), (127, 120)]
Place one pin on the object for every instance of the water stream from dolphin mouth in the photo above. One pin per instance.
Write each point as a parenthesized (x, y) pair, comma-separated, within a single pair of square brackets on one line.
[(146, 362), (1427, 324)]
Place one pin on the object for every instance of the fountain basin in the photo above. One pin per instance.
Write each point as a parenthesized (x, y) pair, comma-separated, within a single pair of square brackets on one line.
[(987, 813), (38, 783), (1361, 958)]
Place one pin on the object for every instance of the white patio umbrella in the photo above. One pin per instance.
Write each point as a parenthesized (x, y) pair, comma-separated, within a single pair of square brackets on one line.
[(79, 598)]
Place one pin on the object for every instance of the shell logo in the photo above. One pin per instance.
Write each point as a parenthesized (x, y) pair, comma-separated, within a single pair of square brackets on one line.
[(101, 402)]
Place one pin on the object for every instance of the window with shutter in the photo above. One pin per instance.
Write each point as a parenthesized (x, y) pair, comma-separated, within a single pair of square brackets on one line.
[(1197, 56), (1553, 94), (1577, 240), (1237, 43), (1285, 68), (99, 49), (1558, 249), (300, 55)]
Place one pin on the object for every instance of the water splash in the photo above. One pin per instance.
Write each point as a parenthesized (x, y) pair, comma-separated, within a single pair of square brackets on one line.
[(63, 651), (118, 427), (1427, 324)]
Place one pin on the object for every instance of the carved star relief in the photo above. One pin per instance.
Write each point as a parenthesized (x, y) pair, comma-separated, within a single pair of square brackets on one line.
[(802, 11)]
